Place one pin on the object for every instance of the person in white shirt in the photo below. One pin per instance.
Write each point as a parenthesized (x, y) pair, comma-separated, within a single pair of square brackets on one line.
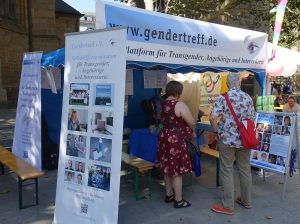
[(291, 106)]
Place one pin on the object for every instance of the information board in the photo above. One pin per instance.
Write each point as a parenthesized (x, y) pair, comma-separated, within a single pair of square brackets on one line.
[(276, 133), (91, 131)]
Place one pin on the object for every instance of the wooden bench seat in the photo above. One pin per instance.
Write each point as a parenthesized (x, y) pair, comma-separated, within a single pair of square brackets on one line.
[(140, 166), (216, 154), (22, 169)]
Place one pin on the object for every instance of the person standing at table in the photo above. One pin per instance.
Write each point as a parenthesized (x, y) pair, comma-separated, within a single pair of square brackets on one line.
[(173, 158), (230, 145), (291, 106)]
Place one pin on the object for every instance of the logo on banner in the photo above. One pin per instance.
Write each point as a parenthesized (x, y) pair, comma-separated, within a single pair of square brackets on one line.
[(209, 83)]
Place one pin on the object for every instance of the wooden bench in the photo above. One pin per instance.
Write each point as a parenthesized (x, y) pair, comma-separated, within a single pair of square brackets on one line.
[(23, 170), (139, 166), (216, 154)]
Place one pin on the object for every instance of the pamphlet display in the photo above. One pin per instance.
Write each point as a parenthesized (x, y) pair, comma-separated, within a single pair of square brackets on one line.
[(27, 134), (91, 133)]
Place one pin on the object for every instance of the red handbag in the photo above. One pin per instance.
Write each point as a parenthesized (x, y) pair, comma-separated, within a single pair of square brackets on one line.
[(246, 128)]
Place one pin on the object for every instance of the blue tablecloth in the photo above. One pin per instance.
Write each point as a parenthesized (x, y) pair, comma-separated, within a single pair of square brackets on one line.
[(143, 144), (200, 127)]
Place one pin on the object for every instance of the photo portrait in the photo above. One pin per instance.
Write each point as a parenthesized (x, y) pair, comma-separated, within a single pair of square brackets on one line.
[(69, 164), (272, 158), (69, 176), (277, 129), (77, 120), (286, 130), (76, 145), (287, 121), (278, 120), (264, 156), (260, 127), (267, 137), (265, 147), (254, 154), (80, 166), (79, 94), (79, 179), (267, 128), (280, 161)]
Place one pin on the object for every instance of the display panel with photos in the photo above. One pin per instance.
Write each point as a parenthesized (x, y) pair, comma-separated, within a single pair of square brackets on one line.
[(274, 132)]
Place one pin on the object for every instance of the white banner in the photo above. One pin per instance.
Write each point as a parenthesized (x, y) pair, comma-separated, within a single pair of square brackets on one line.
[(27, 133), (92, 126), (162, 38)]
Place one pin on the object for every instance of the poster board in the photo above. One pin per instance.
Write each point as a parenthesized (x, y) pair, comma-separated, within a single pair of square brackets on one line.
[(88, 177), (27, 132), (277, 133)]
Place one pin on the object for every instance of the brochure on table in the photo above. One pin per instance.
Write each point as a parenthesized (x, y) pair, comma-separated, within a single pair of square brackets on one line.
[(27, 134), (277, 134), (91, 132)]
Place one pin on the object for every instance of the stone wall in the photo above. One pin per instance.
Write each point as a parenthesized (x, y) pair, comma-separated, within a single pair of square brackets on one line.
[(65, 24), (48, 30)]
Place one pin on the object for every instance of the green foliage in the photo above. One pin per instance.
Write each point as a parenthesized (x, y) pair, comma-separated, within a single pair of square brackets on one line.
[(248, 14)]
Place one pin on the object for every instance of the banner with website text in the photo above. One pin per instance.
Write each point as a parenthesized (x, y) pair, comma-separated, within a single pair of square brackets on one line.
[(88, 177), (158, 37), (27, 133)]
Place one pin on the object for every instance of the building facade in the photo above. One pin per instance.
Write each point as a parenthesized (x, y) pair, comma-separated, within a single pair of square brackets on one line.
[(26, 26)]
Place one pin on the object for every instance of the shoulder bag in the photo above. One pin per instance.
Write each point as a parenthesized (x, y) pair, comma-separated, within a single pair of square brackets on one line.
[(246, 128)]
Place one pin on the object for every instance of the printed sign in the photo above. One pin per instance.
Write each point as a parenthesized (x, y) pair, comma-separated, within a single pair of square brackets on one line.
[(92, 123), (276, 132), (162, 38), (27, 134)]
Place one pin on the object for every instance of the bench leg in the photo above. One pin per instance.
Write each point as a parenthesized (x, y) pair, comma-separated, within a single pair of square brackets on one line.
[(2, 168), (218, 173), (20, 188), (150, 182), (137, 193), (36, 191), (139, 196)]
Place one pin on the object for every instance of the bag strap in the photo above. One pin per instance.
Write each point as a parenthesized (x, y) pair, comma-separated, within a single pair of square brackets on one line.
[(238, 123)]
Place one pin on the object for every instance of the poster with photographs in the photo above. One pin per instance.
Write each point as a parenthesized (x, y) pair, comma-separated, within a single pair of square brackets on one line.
[(92, 124), (275, 135)]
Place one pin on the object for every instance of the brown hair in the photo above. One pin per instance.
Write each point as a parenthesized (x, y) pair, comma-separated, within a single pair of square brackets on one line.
[(174, 88)]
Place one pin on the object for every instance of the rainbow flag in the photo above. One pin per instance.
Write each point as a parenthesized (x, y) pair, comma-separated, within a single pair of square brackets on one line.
[(278, 23)]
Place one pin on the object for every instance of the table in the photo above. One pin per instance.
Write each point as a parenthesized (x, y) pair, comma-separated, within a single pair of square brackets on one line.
[(200, 128), (143, 144)]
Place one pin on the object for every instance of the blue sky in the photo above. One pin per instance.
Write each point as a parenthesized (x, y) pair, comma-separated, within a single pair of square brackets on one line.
[(82, 5)]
